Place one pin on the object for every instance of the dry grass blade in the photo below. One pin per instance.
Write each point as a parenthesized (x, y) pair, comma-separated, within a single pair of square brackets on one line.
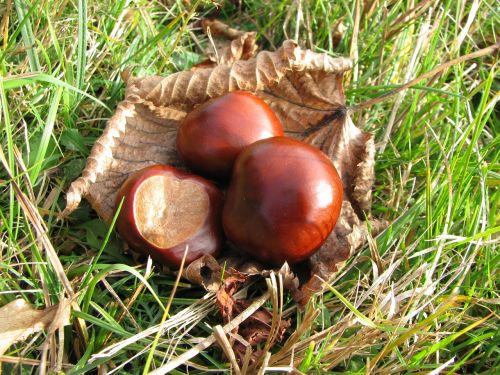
[(224, 343), (186, 356), (179, 322), (166, 312), (29, 361), (424, 34), (290, 345), (410, 15), (125, 310), (40, 229), (139, 289), (379, 99), (58, 321), (246, 359), (265, 362), (354, 53), (465, 30), (277, 310)]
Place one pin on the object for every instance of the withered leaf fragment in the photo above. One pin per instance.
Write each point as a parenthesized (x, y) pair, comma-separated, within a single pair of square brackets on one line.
[(257, 328), (19, 320), (228, 306)]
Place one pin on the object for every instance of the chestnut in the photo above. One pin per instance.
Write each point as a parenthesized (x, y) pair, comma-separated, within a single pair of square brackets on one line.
[(283, 201), (214, 133), (165, 209)]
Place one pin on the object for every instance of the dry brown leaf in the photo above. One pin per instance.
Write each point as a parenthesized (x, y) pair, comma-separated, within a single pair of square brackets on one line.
[(233, 46), (228, 306), (305, 91), (18, 320), (256, 328)]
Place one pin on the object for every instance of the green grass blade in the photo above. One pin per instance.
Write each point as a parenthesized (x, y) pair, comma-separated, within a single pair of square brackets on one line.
[(103, 246), (101, 323), (28, 36), (441, 344), (363, 319), (81, 59), (7, 126), (104, 272), (18, 81), (47, 134)]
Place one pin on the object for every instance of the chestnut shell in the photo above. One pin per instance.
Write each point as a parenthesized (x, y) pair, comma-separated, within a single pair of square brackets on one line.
[(212, 135), (283, 201)]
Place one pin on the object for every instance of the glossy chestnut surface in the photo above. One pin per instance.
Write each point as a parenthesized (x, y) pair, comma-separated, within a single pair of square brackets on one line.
[(165, 209), (214, 133), (283, 201)]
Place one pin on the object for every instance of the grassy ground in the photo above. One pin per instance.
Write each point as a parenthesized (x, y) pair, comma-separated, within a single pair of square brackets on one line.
[(423, 297)]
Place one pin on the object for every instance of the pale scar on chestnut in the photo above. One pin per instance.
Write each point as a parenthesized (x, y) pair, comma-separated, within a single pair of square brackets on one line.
[(169, 211)]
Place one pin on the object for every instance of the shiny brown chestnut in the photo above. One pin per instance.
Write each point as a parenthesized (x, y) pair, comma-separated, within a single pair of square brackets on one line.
[(214, 133), (165, 209), (283, 201)]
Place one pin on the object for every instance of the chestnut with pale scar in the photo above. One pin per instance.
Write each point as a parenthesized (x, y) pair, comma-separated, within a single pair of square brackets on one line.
[(165, 209), (169, 211)]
